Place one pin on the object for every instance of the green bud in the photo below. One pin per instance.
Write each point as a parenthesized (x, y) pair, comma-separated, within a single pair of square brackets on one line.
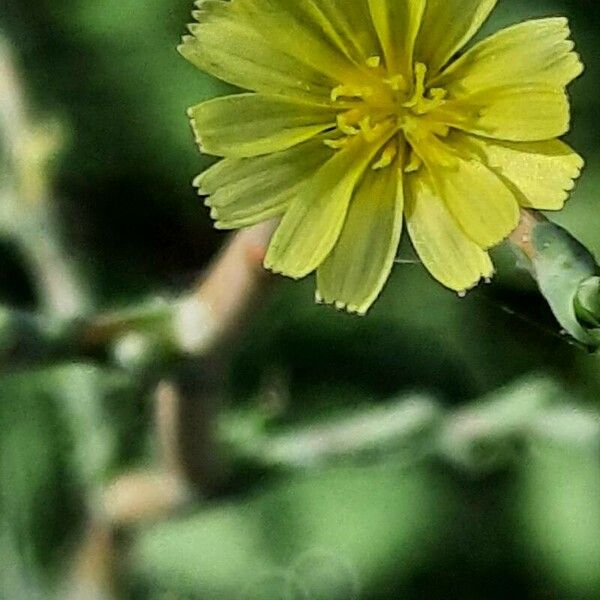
[(567, 275)]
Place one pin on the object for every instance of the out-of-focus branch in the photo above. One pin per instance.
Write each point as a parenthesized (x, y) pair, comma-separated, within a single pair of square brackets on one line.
[(480, 437), (197, 325), (132, 498), (222, 299), (141, 338), (192, 325), (92, 574), (388, 428), (27, 212)]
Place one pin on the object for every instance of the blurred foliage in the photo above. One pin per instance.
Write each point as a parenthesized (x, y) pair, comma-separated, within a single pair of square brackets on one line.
[(393, 523)]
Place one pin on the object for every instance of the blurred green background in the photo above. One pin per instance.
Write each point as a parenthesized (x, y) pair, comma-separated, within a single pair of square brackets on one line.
[(489, 488)]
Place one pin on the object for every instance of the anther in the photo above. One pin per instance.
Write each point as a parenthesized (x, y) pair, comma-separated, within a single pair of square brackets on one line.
[(373, 62)]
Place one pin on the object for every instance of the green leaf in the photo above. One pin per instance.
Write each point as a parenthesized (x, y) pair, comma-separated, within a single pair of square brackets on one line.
[(334, 534), (558, 520)]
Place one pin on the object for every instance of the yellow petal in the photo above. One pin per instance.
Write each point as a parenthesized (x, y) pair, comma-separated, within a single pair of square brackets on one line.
[(293, 31), (528, 113), (449, 255), (486, 210), (447, 26), (355, 272), (314, 220), (543, 172), (245, 191), (397, 25), (226, 44), (247, 125), (346, 25), (534, 52)]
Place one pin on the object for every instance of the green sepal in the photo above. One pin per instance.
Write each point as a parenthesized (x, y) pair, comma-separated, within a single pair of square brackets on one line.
[(567, 275)]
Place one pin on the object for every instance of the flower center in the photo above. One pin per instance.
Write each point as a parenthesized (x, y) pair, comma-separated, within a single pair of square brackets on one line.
[(391, 110)]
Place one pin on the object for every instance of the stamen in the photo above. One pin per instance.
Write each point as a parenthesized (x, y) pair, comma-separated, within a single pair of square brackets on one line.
[(373, 132), (387, 156), (440, 129), (392, 103), (349, 91), (336, 144), (344, 124), (420, 74), (438, 94), (419, 103), (397, 83), (414, 164), (365, 125), (426, 105)]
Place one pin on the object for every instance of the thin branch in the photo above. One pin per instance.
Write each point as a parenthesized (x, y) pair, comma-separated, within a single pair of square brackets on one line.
[(479, 437), (92, 576), (197, 324), (391, 427), (167, 419), (194, 324), (231, 288), (27, 211)]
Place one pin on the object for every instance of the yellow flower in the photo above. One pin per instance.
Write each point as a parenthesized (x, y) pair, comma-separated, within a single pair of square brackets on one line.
[(360, 117)]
